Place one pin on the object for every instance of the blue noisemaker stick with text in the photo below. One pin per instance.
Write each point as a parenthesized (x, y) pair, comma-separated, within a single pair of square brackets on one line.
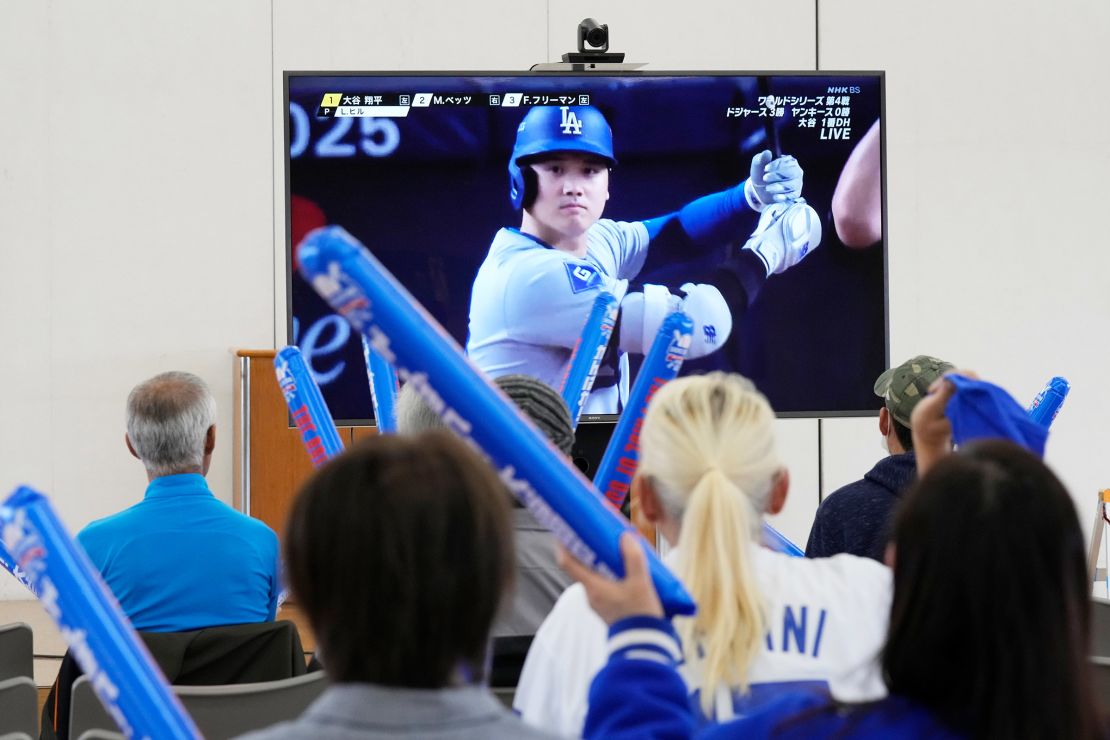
[(586, 357), (306, 406), (383, 389), (359, 288), (12, 567), (1046, 405), (622, 456), (661, 365), (776, 540), (129, 683)]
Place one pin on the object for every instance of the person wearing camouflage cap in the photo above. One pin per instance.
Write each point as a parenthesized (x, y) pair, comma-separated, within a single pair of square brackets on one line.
[(856, 518)]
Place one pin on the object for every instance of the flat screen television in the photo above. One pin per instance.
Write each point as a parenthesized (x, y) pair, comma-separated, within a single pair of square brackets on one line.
[(416, 166)]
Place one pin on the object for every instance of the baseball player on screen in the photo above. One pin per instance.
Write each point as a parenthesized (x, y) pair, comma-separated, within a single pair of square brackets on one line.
[(537, 284)]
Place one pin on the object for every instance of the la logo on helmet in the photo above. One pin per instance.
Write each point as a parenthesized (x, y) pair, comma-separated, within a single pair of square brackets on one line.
[(570, 124)]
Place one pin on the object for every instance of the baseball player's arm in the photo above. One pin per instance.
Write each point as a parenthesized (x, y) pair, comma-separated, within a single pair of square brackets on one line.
[(720, 217), (643, 312), (857, 202), (547, 302)]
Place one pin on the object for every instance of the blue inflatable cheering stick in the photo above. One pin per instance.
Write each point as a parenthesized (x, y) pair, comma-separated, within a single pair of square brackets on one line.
[(776, 540), (661, 365), (129, 683), (306, 405), (1046, 405), (358, 287), (9, 564), (588, 352), (383, 389)]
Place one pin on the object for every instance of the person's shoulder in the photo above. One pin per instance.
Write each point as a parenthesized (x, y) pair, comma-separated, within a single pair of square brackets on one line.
[(767, 720), (612, 232), (514, 242), (110, 526), (282, 731), (255, 528), (850, 503), (609, 226), (232, 521), (849, 575), (509, 725), (572, 631), (572, 606), (849, 495), (892, 474)]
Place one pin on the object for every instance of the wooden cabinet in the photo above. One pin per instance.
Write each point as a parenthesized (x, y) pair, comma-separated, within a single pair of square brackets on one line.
[(270, 462)]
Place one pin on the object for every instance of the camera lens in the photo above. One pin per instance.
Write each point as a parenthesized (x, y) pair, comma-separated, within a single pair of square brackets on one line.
[(597, 37)]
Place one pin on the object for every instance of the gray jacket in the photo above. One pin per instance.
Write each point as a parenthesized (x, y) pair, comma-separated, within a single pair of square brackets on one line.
[(539, 580), (362, 711)]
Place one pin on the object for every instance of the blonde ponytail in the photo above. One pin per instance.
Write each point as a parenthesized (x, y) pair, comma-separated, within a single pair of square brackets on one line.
[(707, 447), (729, 624)]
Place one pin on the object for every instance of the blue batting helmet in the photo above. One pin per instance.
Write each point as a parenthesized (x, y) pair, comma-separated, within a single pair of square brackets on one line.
[(546, 129)]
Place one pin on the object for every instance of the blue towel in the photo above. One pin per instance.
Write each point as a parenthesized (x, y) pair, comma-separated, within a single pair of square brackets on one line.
[(982, 410)]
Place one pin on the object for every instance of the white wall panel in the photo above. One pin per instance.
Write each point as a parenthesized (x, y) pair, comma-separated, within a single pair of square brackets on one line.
[(135, 231), (797, 441), (997, 159), (346, 35), (699, 34), (849, 448)]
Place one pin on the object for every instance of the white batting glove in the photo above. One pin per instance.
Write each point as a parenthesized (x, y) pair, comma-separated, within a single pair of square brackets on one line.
[(773, 180)]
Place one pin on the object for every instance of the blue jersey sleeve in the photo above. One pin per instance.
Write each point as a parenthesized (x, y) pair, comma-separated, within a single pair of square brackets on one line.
[(639, 692), (711, 219)]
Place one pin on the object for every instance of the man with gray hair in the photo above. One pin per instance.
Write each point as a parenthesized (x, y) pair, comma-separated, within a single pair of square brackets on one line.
[(181, 559)]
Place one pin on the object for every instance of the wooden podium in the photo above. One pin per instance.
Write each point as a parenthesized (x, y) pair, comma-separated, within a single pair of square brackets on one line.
[(270, 462)]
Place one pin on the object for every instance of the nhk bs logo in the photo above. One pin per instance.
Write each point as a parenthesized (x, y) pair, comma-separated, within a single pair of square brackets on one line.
[(570, 124)]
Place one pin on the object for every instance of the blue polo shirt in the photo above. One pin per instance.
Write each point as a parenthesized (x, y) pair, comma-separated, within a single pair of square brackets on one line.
[(181, 559)]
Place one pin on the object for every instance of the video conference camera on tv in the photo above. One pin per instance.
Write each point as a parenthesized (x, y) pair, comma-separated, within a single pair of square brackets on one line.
[(593, 45)]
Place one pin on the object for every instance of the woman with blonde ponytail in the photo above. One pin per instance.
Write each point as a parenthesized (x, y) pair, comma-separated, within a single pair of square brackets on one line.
[(766, 622)]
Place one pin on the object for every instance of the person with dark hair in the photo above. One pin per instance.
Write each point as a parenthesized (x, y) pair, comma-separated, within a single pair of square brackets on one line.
[(857, 517), (989, 624), (400, 552)]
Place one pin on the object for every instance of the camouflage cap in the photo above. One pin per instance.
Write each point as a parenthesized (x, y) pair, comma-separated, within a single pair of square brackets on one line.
[(903, 386)]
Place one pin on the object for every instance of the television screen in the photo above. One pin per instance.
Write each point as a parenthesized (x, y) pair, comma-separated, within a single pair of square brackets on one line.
[(504, 202)]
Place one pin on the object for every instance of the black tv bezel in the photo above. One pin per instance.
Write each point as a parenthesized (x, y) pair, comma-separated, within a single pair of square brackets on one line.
[(370, 421)]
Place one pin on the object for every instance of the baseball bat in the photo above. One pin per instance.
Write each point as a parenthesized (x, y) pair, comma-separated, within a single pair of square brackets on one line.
[(128, 681), (1046, 405), (661, 365), (306, 405), (359, 288), (769, 129), (588, 351), (383, 389)]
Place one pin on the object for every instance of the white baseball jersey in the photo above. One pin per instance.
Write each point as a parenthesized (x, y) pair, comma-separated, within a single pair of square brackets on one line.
[(827, 621), (530, 301)]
